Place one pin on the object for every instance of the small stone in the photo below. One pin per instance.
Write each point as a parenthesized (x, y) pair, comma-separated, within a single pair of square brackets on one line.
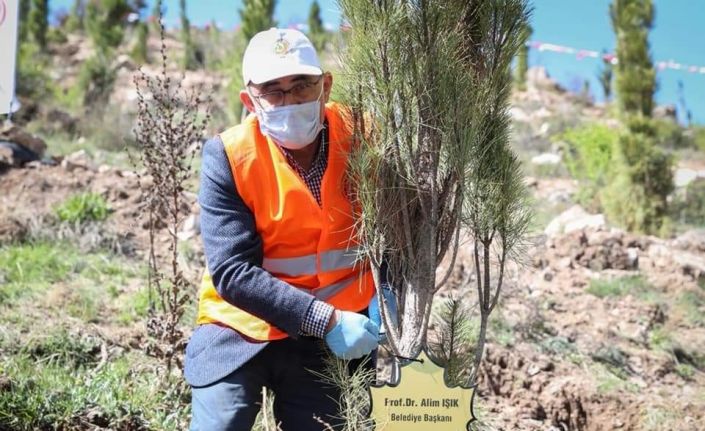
[(548, 276), (533, 370)]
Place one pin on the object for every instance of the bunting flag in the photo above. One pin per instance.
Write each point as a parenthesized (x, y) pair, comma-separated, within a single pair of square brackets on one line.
[(610, 57), (8, 53)]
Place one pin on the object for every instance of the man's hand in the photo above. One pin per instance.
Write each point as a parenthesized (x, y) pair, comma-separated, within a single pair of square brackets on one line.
[(376, 314), (352, 335)]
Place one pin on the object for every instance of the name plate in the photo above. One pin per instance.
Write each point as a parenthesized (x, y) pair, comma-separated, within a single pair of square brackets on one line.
[(421, 401)]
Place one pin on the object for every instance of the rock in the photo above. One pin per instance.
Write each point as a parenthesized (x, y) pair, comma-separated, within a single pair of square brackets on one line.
[(533, 370), (62, 120), (692, 240), (538, 78), (77, 160), (684, 176), (546, 159), (668, 112), (690, 264), (11, 230), (7, 156), (124, 61), (632, 257), (191, 228), (518, 114), (573, 219), (19, 136), (14, 155)]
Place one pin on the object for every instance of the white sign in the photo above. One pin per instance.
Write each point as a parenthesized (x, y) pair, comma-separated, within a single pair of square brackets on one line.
[(8, 52)]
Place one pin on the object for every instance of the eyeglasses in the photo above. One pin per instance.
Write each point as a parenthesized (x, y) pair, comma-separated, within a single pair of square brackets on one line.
[(303, 91)]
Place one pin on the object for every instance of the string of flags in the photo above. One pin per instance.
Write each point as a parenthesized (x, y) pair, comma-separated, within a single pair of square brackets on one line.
[(610, 57)]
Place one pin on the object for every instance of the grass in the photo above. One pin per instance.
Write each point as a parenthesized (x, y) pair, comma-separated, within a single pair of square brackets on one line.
[(609, 383), (28, 268), (83, 207), (135, 307), (659, 418), (621, 286), (500, 330), (686, 371), (55, 372), (691, 304), (56, 395), (79, 285)]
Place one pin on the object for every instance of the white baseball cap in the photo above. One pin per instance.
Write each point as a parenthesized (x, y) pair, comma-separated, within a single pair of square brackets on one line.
[(279, 52)]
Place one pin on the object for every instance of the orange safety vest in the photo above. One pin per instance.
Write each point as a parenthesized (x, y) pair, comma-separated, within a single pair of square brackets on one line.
[(311, 247)]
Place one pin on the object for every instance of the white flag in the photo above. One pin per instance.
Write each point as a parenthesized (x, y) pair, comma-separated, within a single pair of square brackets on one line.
[(8, 52)]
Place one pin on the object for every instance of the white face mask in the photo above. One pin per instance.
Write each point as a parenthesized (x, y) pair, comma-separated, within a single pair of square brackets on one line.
[(292, 126)]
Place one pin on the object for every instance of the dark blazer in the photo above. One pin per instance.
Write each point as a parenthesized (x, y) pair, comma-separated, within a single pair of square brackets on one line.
[(234, 256)]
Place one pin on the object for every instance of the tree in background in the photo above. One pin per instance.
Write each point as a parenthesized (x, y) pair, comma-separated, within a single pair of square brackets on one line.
[(255, 16), (605, 76), (104, 23), (638, 195), (23, 32), (635, 75), (189, 60), (522, 66), (139, 51), (39, 22), (316, 32), (74, 22), (428, 86), (157, 13)]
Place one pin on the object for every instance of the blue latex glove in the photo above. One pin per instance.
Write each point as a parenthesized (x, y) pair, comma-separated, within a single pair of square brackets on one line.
[(376, 315), (353, 336)]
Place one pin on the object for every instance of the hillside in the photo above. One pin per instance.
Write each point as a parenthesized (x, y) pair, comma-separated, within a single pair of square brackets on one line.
[(598, 328)]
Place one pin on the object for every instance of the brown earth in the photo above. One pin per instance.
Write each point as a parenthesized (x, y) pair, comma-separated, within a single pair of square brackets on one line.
[(573, 360)]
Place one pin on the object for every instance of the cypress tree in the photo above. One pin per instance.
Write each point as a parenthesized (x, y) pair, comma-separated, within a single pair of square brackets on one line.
[(105, 22), (638, 195), (74, 21), (522, 66), (635, 75), (38, 22), (189, 60), (605, 77), (256, 16), (25, 6), (139, 51), (156, 16), (316, 32)]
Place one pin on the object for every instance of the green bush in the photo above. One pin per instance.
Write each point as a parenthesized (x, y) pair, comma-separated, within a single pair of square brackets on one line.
[(95, 80), (689, 207), (670, 134), (32, 77), (618, 286), (589, 157), (82, 208), (698, 137), (637, 197)]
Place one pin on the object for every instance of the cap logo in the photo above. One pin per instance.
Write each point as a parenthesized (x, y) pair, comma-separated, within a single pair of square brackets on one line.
[(281, 46)]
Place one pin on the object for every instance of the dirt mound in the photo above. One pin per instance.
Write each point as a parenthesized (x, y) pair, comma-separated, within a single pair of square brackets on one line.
[(29, 196)]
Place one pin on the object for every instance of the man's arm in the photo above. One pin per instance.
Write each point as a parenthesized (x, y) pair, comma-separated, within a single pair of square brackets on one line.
[(233, 250)]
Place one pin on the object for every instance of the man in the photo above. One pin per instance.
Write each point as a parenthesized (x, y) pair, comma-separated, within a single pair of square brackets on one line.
[(284, 283)]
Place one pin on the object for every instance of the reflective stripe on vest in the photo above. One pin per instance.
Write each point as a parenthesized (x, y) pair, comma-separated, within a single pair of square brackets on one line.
[(307, 245), (306, 265)]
